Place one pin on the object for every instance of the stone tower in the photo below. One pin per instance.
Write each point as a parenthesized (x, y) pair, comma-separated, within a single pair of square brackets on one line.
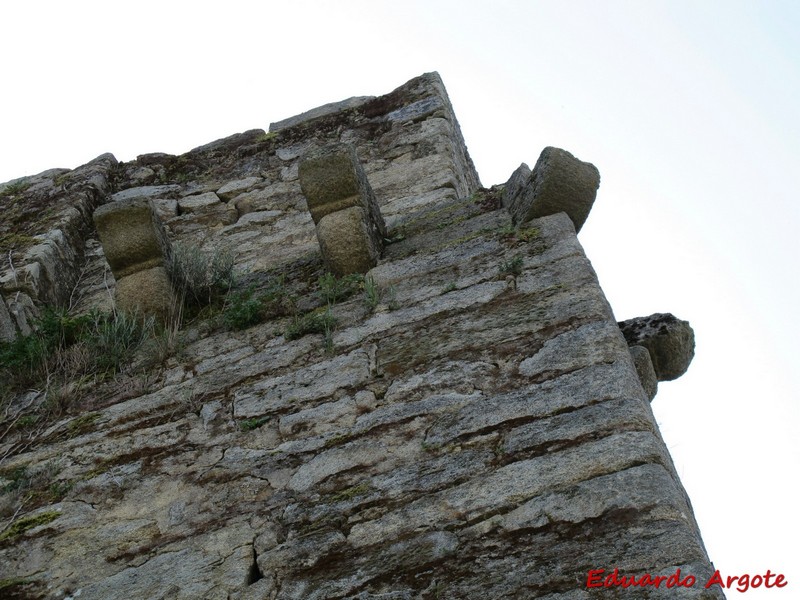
[(470, 421)]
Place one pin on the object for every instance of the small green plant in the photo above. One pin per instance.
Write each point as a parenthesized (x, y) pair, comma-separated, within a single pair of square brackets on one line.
[(450, 287), (243, 309), (254, 423), (58, 489), (115, 339), (333, 289), (66, 353), (372, 293), (314, 322), (392, 298), (201, 277), (512, 267), (267, 136), (526, 234), (248, 307)]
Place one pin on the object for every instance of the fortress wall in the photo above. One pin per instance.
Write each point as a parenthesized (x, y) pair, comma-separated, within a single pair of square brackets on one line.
[(482, 432)]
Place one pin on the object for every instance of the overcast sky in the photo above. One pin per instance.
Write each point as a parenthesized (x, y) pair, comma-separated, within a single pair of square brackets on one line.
[(689, 110)]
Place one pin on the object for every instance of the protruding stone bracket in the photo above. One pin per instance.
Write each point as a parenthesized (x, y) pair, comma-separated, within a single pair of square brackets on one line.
[(645, 371), (558, 183), (668, 340), (137, 250), (350, 228)]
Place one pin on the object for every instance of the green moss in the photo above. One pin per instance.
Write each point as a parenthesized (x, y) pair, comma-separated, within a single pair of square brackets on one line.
[(338, 440), (351, 492), (17, 241), (22, 525), (254, 423), (82, 424), (12, 582)]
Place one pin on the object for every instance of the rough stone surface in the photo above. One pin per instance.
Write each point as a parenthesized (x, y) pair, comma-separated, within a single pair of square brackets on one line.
[(644, 368), (320, 111), (7, 329), (147, 192), (44, 227), (558, 183), (481, 432), (234, 188), (346, 242), (146, 292), (669, 341)]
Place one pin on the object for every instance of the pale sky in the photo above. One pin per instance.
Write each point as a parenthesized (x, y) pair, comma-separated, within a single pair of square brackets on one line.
[(689, 110)]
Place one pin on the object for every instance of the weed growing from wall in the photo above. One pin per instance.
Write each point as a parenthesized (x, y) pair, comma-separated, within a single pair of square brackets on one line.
[(201, 278), (512, 266), (334, 289), (372, 294), (313, 322)]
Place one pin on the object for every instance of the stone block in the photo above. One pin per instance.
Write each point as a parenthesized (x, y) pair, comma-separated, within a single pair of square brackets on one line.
[(558, 183), (23, 311), (333, 182), (147, 192), (137, 250), (644, 368), (147, 292), (234, 188), (132, 235), (346, 244), (669, 341)]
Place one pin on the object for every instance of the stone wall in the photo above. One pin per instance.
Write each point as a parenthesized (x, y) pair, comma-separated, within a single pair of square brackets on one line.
[(481, 432)]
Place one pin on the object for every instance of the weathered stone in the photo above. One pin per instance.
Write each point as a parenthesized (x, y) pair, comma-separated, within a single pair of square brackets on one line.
[(23, 310), (234, 188), (644, 368), (558, 183), (350, 228), (475, 441), (165, 208), (199, 203), (132, 236), (320, 111), (7, 329), (207, 209), (417, 110), (137, 249), (146, 192), (146, 292), (346, 243), (669, 341), (332, 179)]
